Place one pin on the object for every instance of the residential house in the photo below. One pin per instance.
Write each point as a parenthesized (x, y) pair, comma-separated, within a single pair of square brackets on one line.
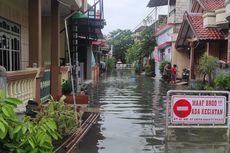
[(32, 42), (203, 31), (175, 16), (163, 50), (156, 26)]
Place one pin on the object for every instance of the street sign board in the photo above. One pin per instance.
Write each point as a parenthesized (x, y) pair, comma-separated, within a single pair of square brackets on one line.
[(198, 109)]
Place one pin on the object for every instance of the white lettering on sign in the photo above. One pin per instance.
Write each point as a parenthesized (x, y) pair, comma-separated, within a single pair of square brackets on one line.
[(182, 108), (198, 109)]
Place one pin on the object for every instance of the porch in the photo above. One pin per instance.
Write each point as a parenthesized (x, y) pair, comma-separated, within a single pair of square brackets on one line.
[(33, 60), (195, 40)]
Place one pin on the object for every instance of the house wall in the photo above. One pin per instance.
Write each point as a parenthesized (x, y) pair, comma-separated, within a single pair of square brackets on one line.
[(46, 40), (164, 36), (167, 53), (218, 49), (176, 12), (214, 49), (181, 59), (17, 11)]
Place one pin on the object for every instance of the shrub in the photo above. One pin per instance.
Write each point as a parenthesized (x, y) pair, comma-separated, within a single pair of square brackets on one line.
[(110, 63), (24, 136), (67, 87), (162, 65), (64, 116), (206, 66), (148, 70), (222, 82)]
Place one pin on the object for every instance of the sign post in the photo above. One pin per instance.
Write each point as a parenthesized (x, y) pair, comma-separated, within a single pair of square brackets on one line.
[(198, 109)]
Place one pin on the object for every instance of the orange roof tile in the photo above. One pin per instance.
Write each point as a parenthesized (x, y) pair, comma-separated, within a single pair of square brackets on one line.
[(201, 32), (212, 5)]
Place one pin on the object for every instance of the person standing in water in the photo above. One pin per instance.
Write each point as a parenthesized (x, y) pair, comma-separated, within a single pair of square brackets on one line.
[(173, 73)]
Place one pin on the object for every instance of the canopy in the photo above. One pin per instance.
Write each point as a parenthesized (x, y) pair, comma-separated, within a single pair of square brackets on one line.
[(155, 3)]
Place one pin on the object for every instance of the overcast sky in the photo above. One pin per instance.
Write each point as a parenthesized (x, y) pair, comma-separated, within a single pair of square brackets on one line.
[(126, 14)]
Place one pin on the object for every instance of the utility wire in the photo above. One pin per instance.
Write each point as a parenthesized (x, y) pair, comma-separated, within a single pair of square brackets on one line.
[(150, 13)]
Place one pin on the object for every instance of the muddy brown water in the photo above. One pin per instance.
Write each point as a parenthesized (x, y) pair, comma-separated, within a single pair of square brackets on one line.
[(132, 120)]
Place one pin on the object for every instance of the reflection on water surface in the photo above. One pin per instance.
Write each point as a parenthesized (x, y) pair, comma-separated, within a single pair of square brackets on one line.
[(132, 120)]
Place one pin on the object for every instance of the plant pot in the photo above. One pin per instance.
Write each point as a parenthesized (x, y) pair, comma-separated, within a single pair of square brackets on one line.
[(80, 99)]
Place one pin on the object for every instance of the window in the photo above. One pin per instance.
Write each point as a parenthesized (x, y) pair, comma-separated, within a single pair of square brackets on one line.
[(10, 48)]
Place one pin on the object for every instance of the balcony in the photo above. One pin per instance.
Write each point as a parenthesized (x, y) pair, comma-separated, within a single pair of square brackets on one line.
[(22, 85), (221, 18), (209, 20), (227, 9)]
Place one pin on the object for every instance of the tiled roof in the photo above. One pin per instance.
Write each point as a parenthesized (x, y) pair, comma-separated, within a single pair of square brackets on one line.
[(196, 22), (212, 5)]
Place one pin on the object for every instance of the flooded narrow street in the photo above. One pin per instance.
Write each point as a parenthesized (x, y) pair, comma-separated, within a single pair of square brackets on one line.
[(132, 120)]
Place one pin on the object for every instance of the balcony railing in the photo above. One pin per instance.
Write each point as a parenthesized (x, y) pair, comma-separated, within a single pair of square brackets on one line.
[(21, 85)]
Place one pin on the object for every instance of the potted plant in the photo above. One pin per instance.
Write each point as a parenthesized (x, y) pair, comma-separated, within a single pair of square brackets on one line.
[(67, 87), (67, 91)]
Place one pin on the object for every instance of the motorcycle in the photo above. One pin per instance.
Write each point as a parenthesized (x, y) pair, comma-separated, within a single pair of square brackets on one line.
[(185, 74)]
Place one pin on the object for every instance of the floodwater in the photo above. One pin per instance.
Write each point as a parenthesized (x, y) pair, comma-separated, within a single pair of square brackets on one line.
[(132, 120)]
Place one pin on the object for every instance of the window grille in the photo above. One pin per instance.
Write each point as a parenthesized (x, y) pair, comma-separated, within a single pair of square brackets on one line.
[(10, 45)]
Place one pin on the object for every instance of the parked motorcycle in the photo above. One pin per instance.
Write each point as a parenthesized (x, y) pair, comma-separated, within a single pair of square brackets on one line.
[(185, 74)]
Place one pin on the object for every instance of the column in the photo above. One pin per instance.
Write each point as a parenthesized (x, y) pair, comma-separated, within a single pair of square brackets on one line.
[(192, 73), (55, 49), (35, 40)]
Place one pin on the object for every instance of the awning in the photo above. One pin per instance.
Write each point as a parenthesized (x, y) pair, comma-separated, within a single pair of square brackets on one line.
[(155, 3)]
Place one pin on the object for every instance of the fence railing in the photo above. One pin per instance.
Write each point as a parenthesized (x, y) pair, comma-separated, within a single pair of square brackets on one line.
[(21, 85)]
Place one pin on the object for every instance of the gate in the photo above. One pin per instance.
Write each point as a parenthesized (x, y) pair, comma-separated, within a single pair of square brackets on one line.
[(197, 109)]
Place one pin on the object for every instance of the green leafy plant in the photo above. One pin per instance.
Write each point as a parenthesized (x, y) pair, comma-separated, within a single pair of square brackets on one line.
[(67, 87), (64, 116), (222, 82), (162, 66), (24, 136), (148, 70), (110, 63), (206, 65)]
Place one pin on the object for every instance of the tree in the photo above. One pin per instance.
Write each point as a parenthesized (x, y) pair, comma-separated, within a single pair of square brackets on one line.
[(206, 65), (121, 41), (142, 47), (133, 53), (147, 42)]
